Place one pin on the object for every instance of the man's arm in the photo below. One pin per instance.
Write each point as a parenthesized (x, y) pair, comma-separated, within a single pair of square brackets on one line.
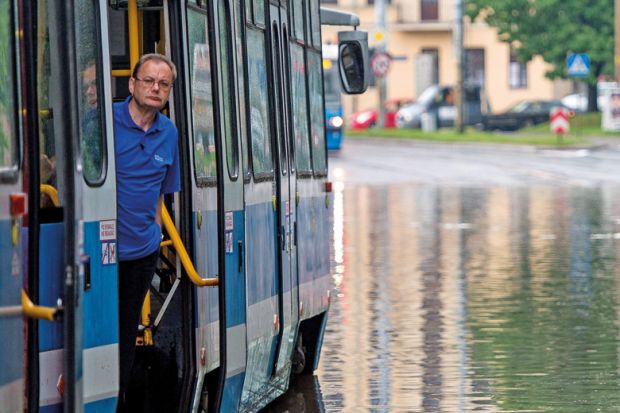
[(158, 213)]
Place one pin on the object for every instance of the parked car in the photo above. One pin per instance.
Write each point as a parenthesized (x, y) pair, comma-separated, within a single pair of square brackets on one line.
[(579, 102), (435, 106), (368, 118), (523, 114)]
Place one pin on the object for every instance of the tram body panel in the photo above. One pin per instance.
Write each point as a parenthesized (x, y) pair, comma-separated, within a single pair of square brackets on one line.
[(261, 289), (11, 325), (205, 224), (313, 249)]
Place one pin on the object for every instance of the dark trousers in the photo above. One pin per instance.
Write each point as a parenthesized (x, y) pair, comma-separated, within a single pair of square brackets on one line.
[(134, 279)]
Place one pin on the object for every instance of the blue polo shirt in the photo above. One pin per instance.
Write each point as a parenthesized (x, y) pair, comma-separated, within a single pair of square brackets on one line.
[(147, 165)]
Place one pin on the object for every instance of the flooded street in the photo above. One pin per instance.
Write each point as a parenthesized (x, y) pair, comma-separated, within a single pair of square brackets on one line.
[(498, 293)]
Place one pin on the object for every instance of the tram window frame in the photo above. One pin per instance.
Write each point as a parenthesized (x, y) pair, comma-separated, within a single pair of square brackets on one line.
[(260, 16), (297, 9), (314, 24), (98, 63), (227, 114), (268, 173), (240, 66), (318, 117), (299, 111), (204, 180), (9, 173)]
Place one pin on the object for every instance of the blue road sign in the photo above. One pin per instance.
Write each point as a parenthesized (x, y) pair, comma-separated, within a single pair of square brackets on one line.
[(578, 65)]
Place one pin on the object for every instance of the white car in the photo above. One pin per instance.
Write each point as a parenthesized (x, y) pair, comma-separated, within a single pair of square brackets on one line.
[(579, 102)]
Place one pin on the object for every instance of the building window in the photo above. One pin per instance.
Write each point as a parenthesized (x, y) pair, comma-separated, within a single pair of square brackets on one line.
[(434, 53), (517, 76), (474, 67), (429, 9)]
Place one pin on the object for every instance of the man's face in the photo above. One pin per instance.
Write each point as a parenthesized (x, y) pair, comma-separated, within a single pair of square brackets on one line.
[(151, 86), (89, 83)]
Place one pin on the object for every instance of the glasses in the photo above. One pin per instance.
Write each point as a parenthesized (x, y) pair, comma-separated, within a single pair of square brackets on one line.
[(149, 83)]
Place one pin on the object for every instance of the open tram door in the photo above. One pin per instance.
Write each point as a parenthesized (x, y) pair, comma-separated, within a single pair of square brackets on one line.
[(12, 209), (72, 361)]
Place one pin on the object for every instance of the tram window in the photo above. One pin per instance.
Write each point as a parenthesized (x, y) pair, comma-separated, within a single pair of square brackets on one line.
[(50, 159), (90, 111), (317, 115), (262, 161), (243, 127), (8, 86), (300, 118), (259, 12), (202, 95), (298, 19), (248, 11), (308, 27), (227, 114), (316, 24)]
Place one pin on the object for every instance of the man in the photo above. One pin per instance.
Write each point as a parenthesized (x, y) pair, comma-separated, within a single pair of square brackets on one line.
[(147, 162), (92, 139)]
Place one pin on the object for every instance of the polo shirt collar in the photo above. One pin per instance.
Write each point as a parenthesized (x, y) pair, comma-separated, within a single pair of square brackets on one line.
[(128, 120)]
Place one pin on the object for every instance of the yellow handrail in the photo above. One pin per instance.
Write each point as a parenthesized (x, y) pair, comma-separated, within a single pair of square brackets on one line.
[(182, 252), (51, 192), (37, 311)]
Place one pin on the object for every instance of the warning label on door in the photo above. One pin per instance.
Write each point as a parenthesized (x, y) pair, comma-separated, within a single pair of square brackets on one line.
[(108, 253)]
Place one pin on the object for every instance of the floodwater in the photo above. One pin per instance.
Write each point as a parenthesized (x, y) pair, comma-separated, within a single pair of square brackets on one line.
[(491, 299)]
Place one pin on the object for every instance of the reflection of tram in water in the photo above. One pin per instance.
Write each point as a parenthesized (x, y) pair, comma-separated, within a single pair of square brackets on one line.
[(241, 296)]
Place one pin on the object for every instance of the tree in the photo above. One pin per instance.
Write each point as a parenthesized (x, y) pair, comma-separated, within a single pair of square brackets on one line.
[(552, 29)]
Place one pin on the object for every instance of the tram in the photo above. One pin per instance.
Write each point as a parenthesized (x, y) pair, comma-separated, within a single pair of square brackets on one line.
[(239, 302)]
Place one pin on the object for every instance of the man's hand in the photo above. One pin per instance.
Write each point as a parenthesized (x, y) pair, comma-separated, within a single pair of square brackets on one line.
[(47, 167)]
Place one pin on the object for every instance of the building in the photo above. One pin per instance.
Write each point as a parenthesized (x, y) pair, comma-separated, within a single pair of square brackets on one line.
[(419, 36)]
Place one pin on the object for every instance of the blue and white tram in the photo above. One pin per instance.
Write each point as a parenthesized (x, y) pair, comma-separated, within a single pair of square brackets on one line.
[(241, 295)]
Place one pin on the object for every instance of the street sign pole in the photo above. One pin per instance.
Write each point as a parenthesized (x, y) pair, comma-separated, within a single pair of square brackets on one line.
[(380, 13), (460, 62), (617, 40)]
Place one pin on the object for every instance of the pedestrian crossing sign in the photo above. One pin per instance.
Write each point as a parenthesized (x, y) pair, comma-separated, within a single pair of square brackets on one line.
[(578, 65)]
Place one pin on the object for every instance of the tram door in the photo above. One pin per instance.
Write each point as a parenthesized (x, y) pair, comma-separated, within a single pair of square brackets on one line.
[(11, 320), (285, 186), (231, 186), (56, 229)]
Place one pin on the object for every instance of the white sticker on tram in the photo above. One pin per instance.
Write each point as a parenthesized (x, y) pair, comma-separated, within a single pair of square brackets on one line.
[(107, 230), (100, 374), (230, 222), (11, 400)]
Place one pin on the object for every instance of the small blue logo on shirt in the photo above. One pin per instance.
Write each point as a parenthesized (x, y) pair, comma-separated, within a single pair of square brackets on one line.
[(158, 158)]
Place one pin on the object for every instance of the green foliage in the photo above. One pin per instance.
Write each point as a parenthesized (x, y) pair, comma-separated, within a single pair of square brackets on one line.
[(552, 29)]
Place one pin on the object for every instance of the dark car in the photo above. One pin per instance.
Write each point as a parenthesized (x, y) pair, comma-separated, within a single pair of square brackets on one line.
[(523, 114)]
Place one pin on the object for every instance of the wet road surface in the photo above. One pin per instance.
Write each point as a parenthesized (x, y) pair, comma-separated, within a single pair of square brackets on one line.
[(471, 278)]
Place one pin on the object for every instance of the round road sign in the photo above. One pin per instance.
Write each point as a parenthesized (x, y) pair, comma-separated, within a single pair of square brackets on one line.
[(380, 64)]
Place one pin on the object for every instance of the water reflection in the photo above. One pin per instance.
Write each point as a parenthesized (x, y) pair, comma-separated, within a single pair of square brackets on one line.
[(455, 300)]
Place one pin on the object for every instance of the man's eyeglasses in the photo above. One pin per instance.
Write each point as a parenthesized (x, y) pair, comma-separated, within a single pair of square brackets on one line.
[(149, 83)]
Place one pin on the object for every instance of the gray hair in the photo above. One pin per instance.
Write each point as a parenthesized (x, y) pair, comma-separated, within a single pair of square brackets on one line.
[(157, 57)]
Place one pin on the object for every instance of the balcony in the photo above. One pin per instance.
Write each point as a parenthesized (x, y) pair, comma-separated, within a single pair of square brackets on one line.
[(424, 15)]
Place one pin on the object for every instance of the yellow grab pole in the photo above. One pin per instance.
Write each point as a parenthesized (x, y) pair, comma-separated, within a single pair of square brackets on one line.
[(51, 192), (147, 338), (37, 311), (132, 16), (182, 252)]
